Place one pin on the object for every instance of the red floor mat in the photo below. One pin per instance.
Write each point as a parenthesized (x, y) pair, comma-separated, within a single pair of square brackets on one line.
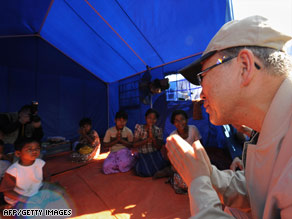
[(122, 195)]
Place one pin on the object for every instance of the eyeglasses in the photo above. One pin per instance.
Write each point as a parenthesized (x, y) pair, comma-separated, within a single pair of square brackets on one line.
[(219, 62)]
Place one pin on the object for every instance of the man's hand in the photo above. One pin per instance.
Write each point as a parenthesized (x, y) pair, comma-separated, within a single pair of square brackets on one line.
[(191, 162), (36, 124)]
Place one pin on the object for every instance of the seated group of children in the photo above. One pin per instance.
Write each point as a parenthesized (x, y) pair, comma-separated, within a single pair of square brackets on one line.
[(141, 150), (147, 139), (24, 180)]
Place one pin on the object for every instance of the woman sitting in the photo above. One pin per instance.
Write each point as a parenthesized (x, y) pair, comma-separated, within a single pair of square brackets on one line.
[(148, 139)]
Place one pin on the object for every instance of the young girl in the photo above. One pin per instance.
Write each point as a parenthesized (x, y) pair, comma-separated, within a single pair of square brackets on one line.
[(189, 133), (148, 139), (23, 183), (120, 140), (88, 145)]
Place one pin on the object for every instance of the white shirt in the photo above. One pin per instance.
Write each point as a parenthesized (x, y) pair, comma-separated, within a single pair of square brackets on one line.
[(28, 178), (193, 134)]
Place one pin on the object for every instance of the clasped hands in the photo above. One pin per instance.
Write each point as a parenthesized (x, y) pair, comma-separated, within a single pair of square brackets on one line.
[(150, 138), (189, 161), (118, 136)]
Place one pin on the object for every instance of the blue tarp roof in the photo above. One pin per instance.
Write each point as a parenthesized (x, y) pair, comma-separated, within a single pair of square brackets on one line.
[(72, 55), (114, 39)]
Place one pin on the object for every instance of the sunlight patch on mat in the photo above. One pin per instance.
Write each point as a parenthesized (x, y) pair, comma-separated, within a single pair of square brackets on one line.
[(101, 156), (130, 206)]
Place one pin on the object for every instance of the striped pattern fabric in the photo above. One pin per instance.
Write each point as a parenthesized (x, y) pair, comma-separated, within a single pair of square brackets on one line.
[(148, 164)]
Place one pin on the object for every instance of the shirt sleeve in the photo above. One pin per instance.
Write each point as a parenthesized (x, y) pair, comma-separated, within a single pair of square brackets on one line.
[(204, 201), (159, 133), (231, 188), (130, 135), (195, 132), (107, 136)]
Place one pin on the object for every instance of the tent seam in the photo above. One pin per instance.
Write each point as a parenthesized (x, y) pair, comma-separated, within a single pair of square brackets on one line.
[(101, 37), (140, 32), (15, 36), (45, 18), (116, 32)]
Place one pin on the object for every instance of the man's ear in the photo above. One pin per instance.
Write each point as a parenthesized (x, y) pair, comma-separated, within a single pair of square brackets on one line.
[(246, 59), (17, 153)]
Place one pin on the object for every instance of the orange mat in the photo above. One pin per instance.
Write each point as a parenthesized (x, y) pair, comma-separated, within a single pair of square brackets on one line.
[(122, 195)]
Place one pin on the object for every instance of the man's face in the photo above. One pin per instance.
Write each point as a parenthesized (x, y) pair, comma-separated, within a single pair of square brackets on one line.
[(120, 123), (24, 117), (220, 90)]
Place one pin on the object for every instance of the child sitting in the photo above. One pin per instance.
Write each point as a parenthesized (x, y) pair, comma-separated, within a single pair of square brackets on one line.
[(23, 183), (119, 138), (88, 145), (148, 139)]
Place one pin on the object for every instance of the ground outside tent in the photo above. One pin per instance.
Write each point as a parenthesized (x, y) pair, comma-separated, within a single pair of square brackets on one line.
[(122, 195)]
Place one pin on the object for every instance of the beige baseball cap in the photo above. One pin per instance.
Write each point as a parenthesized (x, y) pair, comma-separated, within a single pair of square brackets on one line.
[(251, 31)]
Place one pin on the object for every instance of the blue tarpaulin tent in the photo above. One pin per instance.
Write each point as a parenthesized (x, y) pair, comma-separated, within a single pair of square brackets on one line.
[(73, 55)]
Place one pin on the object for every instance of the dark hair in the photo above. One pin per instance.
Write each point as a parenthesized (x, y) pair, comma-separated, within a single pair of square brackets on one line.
[(121, 114), (149, 111), (25, 108), (20, 143), (178, 112), (85, 121), (1, 142)]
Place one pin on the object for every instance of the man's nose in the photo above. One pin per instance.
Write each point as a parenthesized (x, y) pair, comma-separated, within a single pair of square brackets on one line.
[(202, 95)]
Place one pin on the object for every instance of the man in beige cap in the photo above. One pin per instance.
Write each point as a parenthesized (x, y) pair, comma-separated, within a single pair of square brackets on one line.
[(246, 79)]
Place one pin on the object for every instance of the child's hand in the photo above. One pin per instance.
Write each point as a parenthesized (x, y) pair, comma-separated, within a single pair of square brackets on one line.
[(118, 135), (150, 134)]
